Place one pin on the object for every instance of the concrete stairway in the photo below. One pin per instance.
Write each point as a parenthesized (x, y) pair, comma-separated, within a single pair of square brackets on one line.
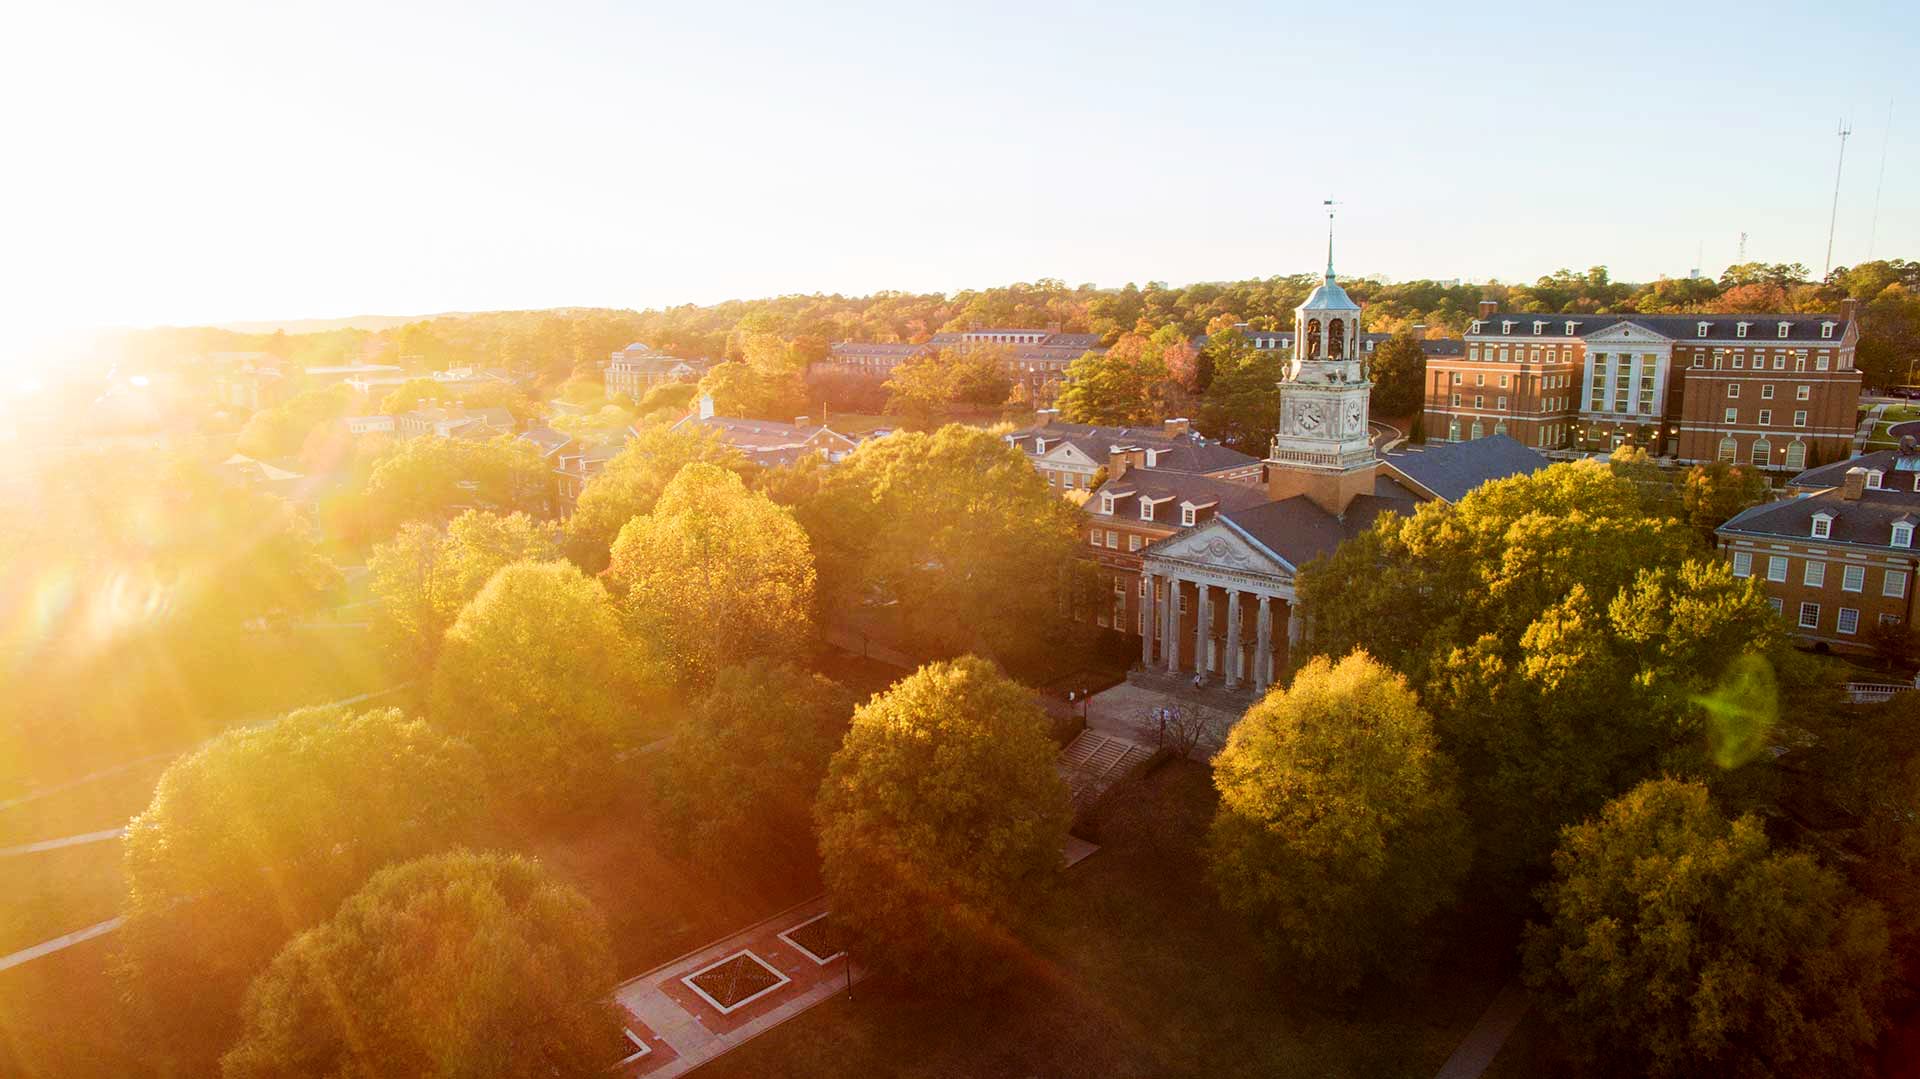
[(1094, 762)]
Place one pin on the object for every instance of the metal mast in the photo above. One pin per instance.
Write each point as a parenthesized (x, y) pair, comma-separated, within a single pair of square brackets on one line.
[(1834, 218)]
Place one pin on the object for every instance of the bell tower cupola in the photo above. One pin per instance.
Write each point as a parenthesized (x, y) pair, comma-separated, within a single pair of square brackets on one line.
[(1323, 448)]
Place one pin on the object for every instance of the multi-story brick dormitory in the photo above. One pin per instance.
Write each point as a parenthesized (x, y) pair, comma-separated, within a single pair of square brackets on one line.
[(1838, 558), (1777, 391), (1070, 454), (1035, 358)]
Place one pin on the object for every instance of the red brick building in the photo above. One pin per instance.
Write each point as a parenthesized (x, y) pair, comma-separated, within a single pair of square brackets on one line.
[(1778, 391), (1842, 559)]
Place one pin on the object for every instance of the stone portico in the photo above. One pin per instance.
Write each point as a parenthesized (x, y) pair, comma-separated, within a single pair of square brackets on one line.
[(1219, 604)]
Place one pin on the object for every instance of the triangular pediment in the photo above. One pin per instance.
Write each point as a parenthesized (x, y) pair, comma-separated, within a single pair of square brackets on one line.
[(1628, 330), (1067, 453), (1216, 543)]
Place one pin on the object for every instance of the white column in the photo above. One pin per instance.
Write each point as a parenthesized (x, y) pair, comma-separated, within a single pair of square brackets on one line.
[(1200, 627), (1294, 631), (1263, 646), (1146, 619), (1233, 638), (1170, 637)]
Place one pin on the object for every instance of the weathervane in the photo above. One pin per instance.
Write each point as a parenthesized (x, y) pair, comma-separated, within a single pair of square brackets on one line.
[(1329, 204)]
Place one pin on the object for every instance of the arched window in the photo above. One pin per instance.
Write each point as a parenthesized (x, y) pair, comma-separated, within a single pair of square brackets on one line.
[(1499, 427), (1762, 452), (1729, 450), (1453, 430), (1336, 338), (1796, 454), (1478, 431), (1313, 339)]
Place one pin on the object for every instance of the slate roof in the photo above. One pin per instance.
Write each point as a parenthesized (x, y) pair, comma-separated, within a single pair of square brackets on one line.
[(546, 438), (1451, 469), (1178, 487), (1867, 521), (1298, 530), (1177, 453), (768, 442), (1888, 461), (1762, 329)]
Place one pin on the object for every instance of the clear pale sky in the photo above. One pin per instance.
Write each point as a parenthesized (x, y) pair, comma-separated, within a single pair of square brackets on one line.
[(189, 162)]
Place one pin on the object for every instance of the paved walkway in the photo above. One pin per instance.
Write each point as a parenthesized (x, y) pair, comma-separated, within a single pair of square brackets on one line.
[(1126, 711), (669, 1011), (64, 841), (78, 936), (1483, 1042)]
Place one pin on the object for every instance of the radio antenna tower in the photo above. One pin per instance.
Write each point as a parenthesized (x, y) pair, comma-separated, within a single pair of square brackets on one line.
[(1834, 218), (1877, 188)]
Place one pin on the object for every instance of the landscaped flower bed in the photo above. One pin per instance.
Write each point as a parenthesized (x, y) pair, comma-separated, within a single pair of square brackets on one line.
[(735, 980), (819, 938)]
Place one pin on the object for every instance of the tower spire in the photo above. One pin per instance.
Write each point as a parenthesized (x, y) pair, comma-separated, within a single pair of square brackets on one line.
[(1329, 204)]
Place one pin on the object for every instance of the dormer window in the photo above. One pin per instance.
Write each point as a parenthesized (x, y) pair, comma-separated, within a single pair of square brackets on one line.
[(1700, 330), (1822, 525), (1153, 458), (1903, 535), (1873, 479), (1570, 325), (1784, 327), (1186, 514), (1539, 327), (1475, 328), (1506, 325), (1106, 504), (1826, 329), (1740, 328)]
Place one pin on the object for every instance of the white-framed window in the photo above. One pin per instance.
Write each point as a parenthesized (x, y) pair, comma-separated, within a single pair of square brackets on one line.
[(1113, 540), (1456, 374), (1783, 329), (1480, 378), (1889, 619), (1853, 578), (1095, 538), (1733, 390), (1895, 584), (1802, 393), (1816, 574), (1143, 584), (1479, 400), (1796, 455), (1847, 620), (1820, 362), (1186, 515), (1133, 541), (1874, 476), (1740, 329), (1733, 414), (1729, 449), (1774, 602), (1776, 568), (1701, 330), (1826, 329), (1822, 526), (1809, 616), (1766, 417), (1456, 400), (1766, 392), (1800, 418), (1743, 563), (1762, 452), (1500, 403), (1106, 504)]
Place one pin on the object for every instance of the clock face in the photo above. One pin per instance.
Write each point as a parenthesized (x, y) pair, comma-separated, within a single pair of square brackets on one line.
[(1353, 415), (1310, 418)]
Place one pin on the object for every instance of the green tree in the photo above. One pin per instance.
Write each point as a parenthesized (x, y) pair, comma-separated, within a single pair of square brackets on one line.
[(459, 964), (280, 431), (950, 540), (941, 825), (1712, 494), (538, 676), (1124, 385), (1339, 831), (423, 576), (1241, 404), (432, 479), (1675, 942), (631, 483), (260, 833), (743, 767), (1399, 372), (717, 573)]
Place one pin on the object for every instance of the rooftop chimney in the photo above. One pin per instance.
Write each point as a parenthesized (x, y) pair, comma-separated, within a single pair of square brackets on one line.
[(1849, 309), (1854, 485), (1488, 307), (1122, 458), (801, 421), (706, 406), (1177, 427)]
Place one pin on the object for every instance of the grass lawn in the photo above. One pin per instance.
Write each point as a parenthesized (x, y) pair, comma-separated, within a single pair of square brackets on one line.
[(1141, 975), (45, 895)]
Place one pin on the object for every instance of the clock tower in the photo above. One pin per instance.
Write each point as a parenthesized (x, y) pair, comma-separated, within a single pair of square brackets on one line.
[(1323, 449)]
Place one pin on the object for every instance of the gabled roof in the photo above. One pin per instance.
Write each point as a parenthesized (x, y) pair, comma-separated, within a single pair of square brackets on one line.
[(1762, 328), (1448, 470), (1867, 521), (1887, 461), (546, 438), (1160, 486), (1173, 453), (1299, 531)]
